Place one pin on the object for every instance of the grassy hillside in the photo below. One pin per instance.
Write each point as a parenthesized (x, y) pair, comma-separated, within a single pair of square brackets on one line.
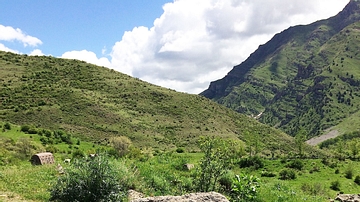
[(306, 77), (96, 103)]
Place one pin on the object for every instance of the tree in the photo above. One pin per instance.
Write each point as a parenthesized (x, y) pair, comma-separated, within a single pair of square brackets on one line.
[(300, 141), (218, 156), (121, 144), (93, 179), (354, 147)]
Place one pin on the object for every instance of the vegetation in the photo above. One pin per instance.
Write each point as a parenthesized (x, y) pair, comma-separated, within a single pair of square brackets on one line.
[(95, 104)]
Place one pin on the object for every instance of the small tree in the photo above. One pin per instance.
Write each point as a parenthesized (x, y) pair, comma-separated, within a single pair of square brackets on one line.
[(218, 155), (300, 142), (94, 179)]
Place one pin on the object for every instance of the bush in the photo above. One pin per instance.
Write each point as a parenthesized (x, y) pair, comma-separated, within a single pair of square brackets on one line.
[(7, 126), (252, 161), (296, 164), (121, 144), (180, 150), (357, 180), (287, 174), (349, 173), (335, 185), (92, 179), (267, 174), (25, 128), (245, 188)]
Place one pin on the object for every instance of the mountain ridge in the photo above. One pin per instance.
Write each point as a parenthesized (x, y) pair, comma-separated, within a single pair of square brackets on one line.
[(275, 78)]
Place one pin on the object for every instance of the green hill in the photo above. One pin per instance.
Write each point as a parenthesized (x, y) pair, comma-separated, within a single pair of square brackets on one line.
[(95, 103), (304, 77)]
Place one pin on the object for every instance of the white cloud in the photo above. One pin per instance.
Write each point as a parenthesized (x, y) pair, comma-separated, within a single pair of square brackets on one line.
[(87, 56), (8, 33), (36, 52), (195, 41), (4, 48)]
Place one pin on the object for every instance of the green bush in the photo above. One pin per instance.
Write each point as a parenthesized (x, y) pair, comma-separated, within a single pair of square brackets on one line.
[(253, 161), (335, 185), (266, 173), (180, 150), (349, 173), (357, 180), (7, 126), (25, 128), (93, 179), (296, 164), (287, 174), (245, 188)]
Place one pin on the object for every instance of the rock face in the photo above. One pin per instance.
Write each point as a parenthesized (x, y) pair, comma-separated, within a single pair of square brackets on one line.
[(348, 198), (194, 197)]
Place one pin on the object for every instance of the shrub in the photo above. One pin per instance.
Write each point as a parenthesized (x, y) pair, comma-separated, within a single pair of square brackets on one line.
[(25, 128), (32, 131), (78, 154), (267, 174), (313, 189), (245, 188), (335, 185), (92, 179), (349, 173), (252, 161), (7, 126), (180, 150), (296, 164), (287, 174), (357, 180), (121, 144)]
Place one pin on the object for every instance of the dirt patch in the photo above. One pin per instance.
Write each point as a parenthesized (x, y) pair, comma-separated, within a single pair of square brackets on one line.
[(317, 140)]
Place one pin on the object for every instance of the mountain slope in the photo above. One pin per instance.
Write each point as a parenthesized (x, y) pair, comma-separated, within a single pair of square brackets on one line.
[(96, 103), (304, 77)]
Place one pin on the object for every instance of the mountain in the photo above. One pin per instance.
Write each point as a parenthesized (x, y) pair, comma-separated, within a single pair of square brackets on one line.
[(305, 78), (96, 103)]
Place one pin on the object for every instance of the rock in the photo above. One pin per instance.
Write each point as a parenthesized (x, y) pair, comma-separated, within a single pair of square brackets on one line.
[(348, 198), (188, 166), (194, 197), (132, 195)]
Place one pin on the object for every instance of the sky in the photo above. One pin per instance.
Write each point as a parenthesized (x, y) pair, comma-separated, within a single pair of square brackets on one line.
[(177, 44)]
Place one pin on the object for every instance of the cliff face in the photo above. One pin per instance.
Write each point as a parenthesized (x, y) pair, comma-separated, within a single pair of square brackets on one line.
[(296, 77)]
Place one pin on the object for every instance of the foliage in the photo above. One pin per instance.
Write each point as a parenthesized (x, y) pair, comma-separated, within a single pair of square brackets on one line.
[(296, 164), (335, 185), (287, 174), (218, 155), (121, 144), (92, 179), (253, 161), (349, 172), (7, 126), (266, 173), (357, 180), (313, 189), (245, 188)]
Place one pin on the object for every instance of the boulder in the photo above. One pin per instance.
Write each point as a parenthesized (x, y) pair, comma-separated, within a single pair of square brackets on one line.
[(198, 197), (348, 198)]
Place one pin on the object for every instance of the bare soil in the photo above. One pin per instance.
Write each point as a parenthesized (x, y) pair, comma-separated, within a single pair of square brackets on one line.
[(317, 140)]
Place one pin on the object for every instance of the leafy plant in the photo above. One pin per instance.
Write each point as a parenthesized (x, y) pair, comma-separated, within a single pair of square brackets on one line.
[(92, 179), (245, 187), (357, 180), (253, 161), (335, 185), (287, 174)]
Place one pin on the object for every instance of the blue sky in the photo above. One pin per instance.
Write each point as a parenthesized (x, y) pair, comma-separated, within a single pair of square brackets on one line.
[(181, 44), (77, 24)]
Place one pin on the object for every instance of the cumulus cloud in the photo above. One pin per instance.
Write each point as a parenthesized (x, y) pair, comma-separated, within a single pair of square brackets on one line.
[(37, 52), (4, 48), (87, 56), (195, 41), (8, 33)]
